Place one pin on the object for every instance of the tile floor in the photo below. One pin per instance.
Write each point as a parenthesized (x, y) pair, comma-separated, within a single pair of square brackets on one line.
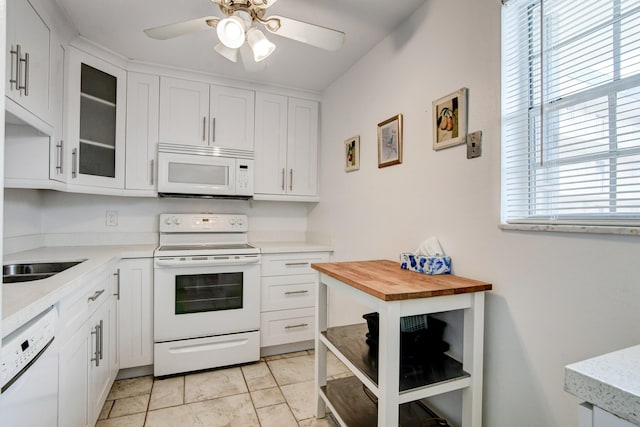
[(277, 391)]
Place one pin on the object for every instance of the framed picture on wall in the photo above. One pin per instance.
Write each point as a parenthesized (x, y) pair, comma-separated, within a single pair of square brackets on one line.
[(450, 120), (390, 141), (352, 154)]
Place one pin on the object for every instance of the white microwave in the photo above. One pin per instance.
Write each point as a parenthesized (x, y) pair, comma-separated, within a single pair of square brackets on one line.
[(195, 171)]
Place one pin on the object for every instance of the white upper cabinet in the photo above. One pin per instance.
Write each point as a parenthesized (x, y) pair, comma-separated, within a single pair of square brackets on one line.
[(27, 50), (232, 118), (95, 121), (271, 144), (286, 148), (57, 166), (197, 113), (302, 147), (143, 98), (184, 111)]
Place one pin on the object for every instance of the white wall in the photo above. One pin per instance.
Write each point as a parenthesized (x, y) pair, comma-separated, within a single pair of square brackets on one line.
[(557, 298)]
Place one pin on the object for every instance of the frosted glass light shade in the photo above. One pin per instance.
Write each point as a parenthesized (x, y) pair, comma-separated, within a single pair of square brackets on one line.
[(227, 52), (231, 31), (260, 45)]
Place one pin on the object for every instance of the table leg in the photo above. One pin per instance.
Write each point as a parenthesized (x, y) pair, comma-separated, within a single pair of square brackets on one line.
[(389, 365), (320, 349), (472, 361)]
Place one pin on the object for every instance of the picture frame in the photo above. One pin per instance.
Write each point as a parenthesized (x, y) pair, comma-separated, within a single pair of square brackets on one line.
[(450, 120), (390, 141), (352, 154)]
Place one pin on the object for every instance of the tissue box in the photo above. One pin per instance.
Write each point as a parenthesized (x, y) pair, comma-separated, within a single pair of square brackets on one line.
[(425, 265)]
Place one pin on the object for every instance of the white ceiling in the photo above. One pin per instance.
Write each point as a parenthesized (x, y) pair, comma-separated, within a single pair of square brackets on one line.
[(118, 25)]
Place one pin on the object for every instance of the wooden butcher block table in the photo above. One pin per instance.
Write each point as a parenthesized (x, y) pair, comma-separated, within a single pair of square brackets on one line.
[(395, 293)]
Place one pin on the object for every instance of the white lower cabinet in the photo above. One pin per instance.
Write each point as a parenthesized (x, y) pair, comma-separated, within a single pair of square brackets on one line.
[(593, 416), (135, 312), (89, 358), (287, 309)]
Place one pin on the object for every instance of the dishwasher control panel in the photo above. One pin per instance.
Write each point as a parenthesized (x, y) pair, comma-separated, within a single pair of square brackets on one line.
[(22, 348)]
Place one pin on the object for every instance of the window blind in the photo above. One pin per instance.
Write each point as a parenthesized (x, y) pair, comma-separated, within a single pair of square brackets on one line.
[(571, 112)]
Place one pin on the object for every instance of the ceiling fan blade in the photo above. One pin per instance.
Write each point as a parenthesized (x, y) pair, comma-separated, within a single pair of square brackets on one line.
[(314, 35), (169, 31)]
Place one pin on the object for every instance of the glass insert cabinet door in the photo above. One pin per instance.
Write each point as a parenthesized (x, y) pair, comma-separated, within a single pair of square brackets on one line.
[(96, 121)]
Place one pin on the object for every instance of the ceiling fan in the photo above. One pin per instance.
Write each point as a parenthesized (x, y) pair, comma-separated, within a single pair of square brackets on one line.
[(238, 26)]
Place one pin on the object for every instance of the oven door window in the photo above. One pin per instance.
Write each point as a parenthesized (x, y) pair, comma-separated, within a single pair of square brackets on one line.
[(196, 293)]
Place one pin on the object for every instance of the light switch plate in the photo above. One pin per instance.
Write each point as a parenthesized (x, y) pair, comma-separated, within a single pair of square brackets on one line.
[(474, 144)]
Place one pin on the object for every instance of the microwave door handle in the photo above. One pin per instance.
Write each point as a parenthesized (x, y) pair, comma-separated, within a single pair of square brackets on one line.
[(205, 262)]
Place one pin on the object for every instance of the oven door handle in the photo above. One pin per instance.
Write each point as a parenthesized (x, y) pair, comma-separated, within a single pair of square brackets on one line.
[(215, 262)]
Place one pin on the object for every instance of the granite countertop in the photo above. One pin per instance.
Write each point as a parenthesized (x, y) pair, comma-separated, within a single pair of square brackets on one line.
[(23, 301), (610, 381)]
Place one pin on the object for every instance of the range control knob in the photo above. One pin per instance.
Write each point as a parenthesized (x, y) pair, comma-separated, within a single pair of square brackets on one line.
[(177, 221), (240, 221), (168, 221), (232, 220)]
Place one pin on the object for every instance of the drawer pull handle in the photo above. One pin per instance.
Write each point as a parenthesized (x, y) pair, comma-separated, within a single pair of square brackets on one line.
[(96, 295), (296, 292), (296, 264), (299, 325)]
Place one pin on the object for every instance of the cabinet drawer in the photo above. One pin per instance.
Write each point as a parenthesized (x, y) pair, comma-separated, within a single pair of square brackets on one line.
[(287, 326), (285, 264), (286, 292), (78, 307)]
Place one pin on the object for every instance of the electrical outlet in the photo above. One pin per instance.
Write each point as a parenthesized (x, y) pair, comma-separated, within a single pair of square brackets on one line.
[(474, 144), (112, 219)]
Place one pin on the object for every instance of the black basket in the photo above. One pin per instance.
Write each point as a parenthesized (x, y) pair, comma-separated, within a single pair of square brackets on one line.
[(415, 342)]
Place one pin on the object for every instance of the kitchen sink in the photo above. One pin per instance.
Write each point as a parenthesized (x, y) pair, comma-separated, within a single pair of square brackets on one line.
[(14, 273)]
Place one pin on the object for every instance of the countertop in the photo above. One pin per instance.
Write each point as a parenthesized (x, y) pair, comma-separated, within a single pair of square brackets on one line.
[(282, 247), (610, 381), (385, 280), (23, 301)]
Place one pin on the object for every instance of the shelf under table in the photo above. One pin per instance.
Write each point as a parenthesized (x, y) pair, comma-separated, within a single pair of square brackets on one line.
[(356, 409), (350, 341)]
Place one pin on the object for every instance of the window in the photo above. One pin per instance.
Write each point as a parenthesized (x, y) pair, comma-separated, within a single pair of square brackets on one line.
[(571, 112)]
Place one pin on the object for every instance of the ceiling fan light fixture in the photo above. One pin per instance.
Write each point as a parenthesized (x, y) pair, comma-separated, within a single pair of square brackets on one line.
[(231, 31), (260, 45), (230, 53)]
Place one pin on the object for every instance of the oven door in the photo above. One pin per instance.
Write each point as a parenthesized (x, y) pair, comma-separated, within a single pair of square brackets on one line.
[(196, 174), (193, 299)]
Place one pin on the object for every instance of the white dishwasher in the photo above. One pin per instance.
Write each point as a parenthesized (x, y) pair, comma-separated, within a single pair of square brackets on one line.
[(29, 374)]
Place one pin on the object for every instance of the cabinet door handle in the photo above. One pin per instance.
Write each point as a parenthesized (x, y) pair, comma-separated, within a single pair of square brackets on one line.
[(213, 130), (290, 179), (74, 163), (299, 325), (152, 170), (60, 152), (204, 129), (282, 179), (96, 358), (296, 292), (101, 339), (117, 274), (15, 70), (25, 86), (96, 295)]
